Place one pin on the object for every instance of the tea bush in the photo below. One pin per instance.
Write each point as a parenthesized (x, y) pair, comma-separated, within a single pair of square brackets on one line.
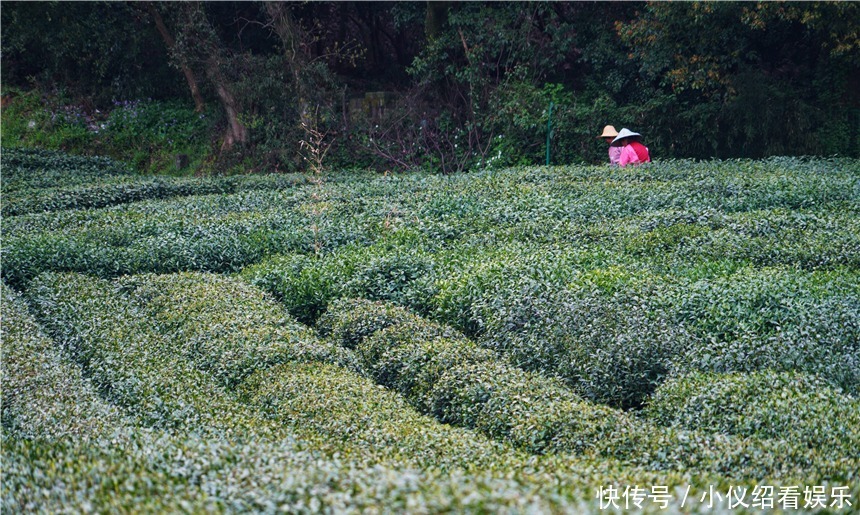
[(127, 359), (757, 319), (536, 308), (204, 474), (226, 327), (44, 394), (207, 233), (795, 407), (297, 281), (139, 238), (148, 469), (344, 407), (351, 321), (33, 169), (611, 347), (462, 384), (136, 189), (376, 272)]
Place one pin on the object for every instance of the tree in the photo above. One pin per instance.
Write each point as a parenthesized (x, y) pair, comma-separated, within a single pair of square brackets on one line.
[(769, 78), (190, 77), (91, 52), (197, 44)]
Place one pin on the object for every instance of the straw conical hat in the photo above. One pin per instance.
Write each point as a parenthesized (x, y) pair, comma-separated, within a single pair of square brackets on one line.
[(609, 132), (625, 133)]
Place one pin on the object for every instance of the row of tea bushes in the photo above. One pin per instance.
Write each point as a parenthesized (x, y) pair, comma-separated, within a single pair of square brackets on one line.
[(125, 357), (305, 284), (208, 233), (446, 375), (362, 421), (796, 407), (377, 436), (639, 220), (44, 394), (775, 319), (116, 245), (312, 387), (226, 327), (819, 238), (615, 338), (135, 189), (31, 168), (200, 474), (612, 329), (611, 347)]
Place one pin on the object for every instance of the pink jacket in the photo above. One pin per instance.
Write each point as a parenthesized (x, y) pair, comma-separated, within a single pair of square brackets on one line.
[(614, 155), (629, 155)]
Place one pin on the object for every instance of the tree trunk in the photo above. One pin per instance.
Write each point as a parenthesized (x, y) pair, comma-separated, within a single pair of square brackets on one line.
[(211, 56), (435, 19), (290, 34), (236, 131), (199, 105)]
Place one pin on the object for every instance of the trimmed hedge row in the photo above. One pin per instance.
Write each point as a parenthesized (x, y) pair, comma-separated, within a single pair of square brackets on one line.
[(44, 394), (343, 414), (799, 408), (193, 474), (642, 220), (612, 329), (774, 319), (226, 327), (32, 168), (205, 233), (366, 421), (822, 237), (139, 188), (135, 366), (611, 347), (463, 384), (614, 334), (306, 285)]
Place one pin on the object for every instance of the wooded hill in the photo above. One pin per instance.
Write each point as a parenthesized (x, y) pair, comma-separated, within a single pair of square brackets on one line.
[(444, 86)]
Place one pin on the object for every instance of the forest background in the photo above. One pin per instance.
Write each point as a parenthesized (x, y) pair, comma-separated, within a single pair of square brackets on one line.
[(227, 87)]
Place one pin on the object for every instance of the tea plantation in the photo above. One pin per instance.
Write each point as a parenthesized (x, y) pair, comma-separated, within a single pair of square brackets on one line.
[(678, 337)]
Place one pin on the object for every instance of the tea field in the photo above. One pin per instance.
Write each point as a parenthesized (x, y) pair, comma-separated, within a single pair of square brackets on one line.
[(678, 337)]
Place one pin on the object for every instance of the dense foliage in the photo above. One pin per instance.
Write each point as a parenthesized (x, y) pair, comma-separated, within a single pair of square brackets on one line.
[(505, 340), (441, 86)]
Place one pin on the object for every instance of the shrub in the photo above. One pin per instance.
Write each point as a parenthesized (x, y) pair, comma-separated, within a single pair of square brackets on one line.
[(137, 367), (209, 233), (351, 321), (465, 385), (32, 169), (353, 411), (297, 281), (45, 395), (145, 132), (778, 319), (795, 407), (227, 328), (609, 335), (124, 190), (306, 285)]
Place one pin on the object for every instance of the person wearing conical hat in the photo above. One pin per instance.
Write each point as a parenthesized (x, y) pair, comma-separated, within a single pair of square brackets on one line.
[(633, 152), (608, 135)]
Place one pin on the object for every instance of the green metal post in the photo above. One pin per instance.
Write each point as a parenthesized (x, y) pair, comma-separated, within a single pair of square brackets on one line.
[(548, 132)]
